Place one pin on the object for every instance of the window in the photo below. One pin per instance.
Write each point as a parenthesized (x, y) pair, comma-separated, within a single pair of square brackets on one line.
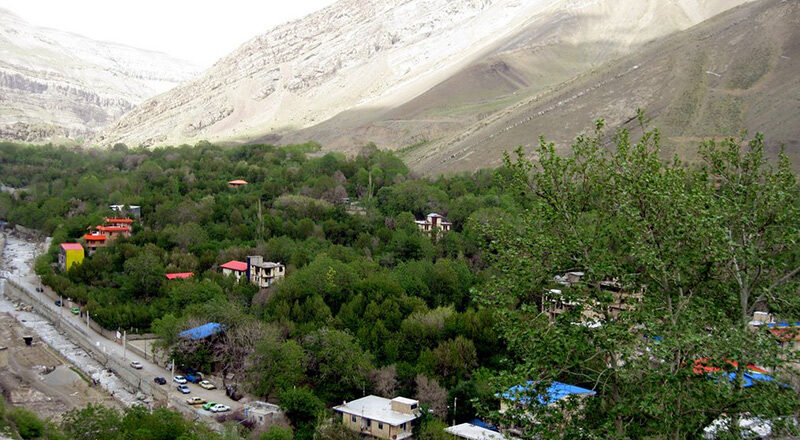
[(353, 419), (413, 406), (369, 422), (380, 425), (403, 427)]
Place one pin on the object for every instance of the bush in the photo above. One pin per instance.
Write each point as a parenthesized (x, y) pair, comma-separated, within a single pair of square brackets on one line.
[(27, 423)]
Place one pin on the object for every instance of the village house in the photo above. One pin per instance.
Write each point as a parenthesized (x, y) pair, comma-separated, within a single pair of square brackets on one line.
[(113, 232), (237, 183), (524, 395), (118, 221), (179, 275), (235, 268), (434, 222), (127, 210), (555, 302), (470, 431), (262, 413), (381, 418), (264, 273), (94, 242), (70, 255)]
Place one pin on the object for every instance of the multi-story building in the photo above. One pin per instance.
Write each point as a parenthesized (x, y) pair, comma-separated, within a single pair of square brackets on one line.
[(264, 273), (434, 222), (94, 242), (379, 417), (70, 255)]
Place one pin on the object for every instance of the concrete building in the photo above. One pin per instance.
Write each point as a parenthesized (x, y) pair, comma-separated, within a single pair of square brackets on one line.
[(434, 222), (128, 210), (264, 273), (70, 255), (262, 413), (378, 417)]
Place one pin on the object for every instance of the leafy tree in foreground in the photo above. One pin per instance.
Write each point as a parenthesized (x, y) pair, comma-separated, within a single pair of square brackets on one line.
[(705, 247)]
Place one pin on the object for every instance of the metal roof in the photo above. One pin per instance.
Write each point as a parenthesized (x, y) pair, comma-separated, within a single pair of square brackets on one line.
[(172, 276), (203, 331), (555, 392)]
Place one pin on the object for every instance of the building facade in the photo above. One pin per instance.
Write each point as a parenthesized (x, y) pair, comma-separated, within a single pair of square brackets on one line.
[(264, 273), (381, 418), (70, 255), (434, 222), (235, 268)]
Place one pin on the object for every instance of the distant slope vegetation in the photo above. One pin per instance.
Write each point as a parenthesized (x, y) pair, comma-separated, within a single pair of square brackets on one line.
[(56, 85), (737, 71), (400, 72)]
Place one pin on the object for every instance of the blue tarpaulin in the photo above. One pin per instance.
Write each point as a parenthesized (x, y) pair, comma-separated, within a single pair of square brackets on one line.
[(202, 332), (555, 392), (482, 424)]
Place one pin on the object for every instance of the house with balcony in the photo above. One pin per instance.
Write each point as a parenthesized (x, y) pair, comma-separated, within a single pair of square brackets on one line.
[(127, 210), (264, 273), (69, 255), (113, 232), (558, 301), (94, 242), (118, 221), (434, 222), (381, 418)]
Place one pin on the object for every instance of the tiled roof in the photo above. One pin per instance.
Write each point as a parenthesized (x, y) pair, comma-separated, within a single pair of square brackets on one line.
[(114, 228), (95, 237), (71, 246), (119, 220), (172, 276)]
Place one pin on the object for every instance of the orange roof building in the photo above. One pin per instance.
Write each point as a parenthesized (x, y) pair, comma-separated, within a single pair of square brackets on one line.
[(237, 183)]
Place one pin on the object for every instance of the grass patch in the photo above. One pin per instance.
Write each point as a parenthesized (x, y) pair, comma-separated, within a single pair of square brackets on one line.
[(80, 374), (747, 70)]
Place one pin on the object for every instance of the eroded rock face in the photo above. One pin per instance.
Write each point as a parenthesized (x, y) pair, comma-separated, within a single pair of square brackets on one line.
[(326, 76), (55, 84)]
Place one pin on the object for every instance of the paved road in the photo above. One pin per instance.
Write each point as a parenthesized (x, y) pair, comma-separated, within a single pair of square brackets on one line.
[(111, 348)]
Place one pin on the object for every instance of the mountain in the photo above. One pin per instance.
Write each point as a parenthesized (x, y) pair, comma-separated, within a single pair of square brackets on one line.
[(56, 84), (737, 71), (400, 72)]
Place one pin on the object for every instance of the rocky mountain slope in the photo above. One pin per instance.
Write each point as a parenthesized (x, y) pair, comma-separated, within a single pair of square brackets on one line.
[(737, 71), (399, 72), (55, 84)]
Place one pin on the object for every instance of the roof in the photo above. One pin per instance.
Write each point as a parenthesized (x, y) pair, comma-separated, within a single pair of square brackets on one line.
[(172, 276), (555, 392), (265, 264), (71, 246), (433, 214), (119, 220), (239, 266), (202, 331), (95, 237), (375, 408), (701, 366), (113, 228), (474, 432), (238, 182)]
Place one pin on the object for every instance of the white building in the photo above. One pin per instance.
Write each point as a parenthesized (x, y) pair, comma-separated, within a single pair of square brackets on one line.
[(379, 417), (264, 273), (434, 222), (474, 432)]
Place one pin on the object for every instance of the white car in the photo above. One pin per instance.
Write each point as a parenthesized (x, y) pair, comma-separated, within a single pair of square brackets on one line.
[(179, 379), (137, 365), (220, 408)]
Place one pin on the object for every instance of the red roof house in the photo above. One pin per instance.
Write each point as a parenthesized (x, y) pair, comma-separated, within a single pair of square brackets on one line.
[(172, 276), (236, 266), (237, 183), (71, 246)]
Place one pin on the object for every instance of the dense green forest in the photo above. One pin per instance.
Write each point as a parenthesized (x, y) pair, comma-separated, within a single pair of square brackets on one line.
[(373, 305)]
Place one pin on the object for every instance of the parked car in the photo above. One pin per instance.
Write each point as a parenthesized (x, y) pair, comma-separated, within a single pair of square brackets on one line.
[(184, 389), (195, 400), (220, 408), (194, 377), (209, 405), (75, 311), (59, 303), (137, 365), (160, 380), (179, 379), (207, 385)]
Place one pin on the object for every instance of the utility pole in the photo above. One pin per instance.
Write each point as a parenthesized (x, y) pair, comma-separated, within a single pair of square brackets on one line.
[(455, 407), (124, 340)]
